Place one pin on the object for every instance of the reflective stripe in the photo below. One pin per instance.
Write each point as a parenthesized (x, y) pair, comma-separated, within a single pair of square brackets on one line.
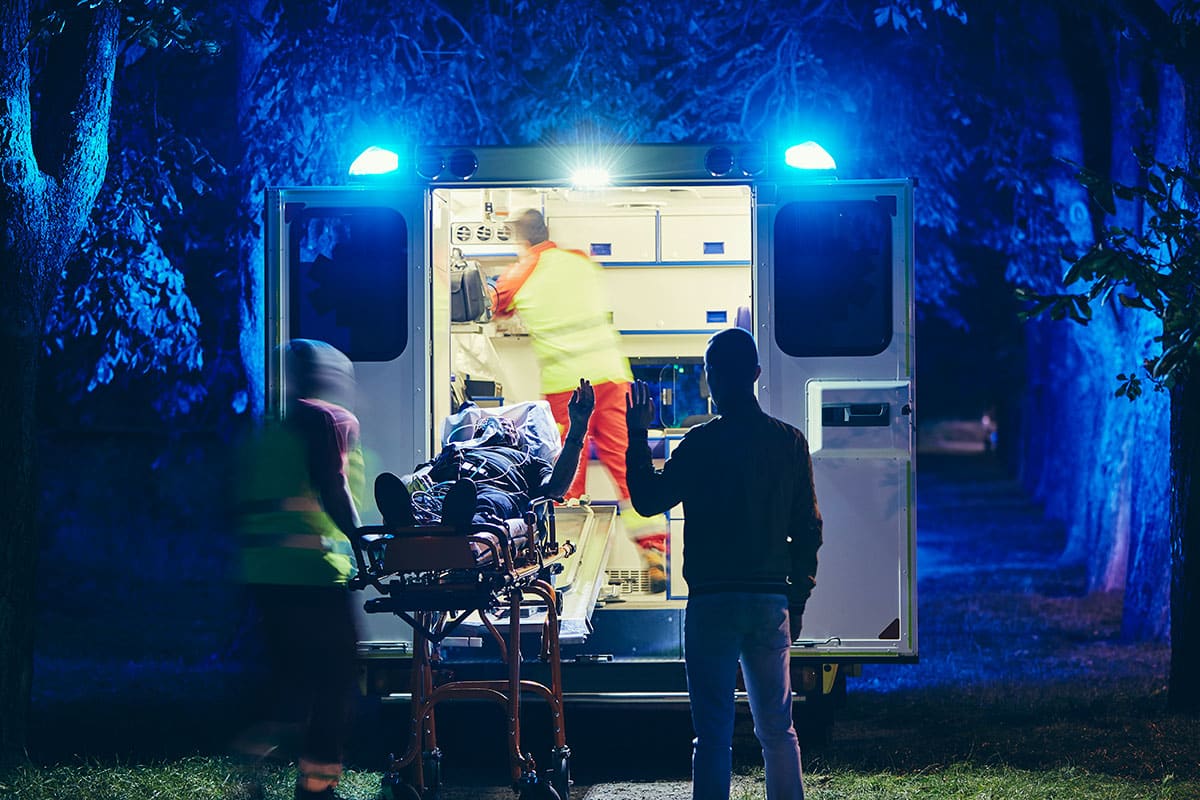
[(316, 776), (280, 504), (551, 359), (579, 325), (301, 541), (639, 527), (563, 305)]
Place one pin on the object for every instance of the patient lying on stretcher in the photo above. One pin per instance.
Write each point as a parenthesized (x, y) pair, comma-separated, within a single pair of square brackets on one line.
[(489, 477)]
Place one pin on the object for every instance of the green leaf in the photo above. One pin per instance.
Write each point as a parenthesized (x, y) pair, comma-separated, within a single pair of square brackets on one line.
[(1133, 301), (1156, 183), (1100, 189), (1083, 309), (1090, 264)]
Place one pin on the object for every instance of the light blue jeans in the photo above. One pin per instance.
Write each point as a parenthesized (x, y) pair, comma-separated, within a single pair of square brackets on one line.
[(720, 630)]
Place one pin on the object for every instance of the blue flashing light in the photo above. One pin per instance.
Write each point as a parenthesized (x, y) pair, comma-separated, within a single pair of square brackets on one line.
[(809, 155), (375, 161)]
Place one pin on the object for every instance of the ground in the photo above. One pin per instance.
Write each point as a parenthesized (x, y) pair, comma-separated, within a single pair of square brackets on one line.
[(1017, 669)]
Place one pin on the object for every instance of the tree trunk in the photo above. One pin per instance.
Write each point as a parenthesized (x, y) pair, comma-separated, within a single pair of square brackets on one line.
[(252, 51), (18, 543), (1184, 693), (43, 208)]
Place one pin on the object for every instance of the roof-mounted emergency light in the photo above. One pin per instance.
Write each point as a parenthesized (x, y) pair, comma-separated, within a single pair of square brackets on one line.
[(809, 155), (590, 178), (375, 161)]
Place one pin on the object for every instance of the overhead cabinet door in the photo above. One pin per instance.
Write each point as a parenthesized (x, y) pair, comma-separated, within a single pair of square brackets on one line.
[(833, 296)]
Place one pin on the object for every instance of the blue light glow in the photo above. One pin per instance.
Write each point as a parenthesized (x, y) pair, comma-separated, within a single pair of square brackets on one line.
[(809, 155), (375, 161)]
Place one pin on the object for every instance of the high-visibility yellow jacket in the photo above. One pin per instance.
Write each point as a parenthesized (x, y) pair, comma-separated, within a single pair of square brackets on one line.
[(560, 297), (286, 536)]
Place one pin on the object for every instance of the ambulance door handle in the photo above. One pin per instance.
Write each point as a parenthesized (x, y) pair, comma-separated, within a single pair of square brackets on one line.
[(856, 415)]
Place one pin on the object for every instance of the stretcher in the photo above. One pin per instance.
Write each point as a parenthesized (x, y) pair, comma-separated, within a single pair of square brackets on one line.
[(435, 578)]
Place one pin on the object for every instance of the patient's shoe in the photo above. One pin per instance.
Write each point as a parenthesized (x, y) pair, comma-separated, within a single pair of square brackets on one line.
[(458, 506), (394, 502), (656, 570)]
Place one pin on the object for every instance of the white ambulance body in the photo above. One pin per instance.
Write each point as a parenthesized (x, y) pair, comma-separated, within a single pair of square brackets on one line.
[(692, 239)]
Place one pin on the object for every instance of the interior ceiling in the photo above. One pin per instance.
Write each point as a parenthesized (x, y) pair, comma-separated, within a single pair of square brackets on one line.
[(469, 203)]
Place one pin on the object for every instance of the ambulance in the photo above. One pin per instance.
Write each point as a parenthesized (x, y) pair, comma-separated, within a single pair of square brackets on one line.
[(691, 238)]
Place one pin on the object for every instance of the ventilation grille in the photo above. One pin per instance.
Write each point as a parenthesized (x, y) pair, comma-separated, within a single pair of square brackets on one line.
[(481, 233), (630, 581)]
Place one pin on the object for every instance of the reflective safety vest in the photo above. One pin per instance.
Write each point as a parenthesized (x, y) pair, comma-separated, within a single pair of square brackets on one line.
[(286, 536), (560, 297)]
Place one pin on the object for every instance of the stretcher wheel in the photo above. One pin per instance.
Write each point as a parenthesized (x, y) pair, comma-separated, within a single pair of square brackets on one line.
[(538, 791), (560, 775), (395, 788), (431, 770)]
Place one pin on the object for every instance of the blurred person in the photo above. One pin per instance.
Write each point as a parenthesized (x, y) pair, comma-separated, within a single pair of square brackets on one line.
[(295, 513), (751, 534), (560, 297), (487, 474)]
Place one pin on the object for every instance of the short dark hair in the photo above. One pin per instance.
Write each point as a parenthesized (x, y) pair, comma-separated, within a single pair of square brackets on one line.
[(530, 226), (732, 355)]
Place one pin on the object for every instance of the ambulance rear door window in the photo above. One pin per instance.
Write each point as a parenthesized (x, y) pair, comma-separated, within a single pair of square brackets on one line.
[(349, 280), (833, 278)]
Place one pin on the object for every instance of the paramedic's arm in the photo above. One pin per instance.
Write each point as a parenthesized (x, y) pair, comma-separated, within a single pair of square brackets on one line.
[(579, 411), (806, 530), (508, 284), (651, 491), (332, 445)]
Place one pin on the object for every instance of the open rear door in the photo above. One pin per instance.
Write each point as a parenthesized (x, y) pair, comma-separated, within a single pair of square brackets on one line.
[(348, 266), (834, 322)]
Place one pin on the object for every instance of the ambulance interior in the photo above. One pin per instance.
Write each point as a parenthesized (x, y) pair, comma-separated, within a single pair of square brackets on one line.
[(677, 267)]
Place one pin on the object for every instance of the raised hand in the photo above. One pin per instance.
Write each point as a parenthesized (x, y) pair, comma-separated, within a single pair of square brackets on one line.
[(581, 405), (639, 408)]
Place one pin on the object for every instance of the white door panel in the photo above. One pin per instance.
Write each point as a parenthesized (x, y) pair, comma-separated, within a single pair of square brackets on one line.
[(834, 324)]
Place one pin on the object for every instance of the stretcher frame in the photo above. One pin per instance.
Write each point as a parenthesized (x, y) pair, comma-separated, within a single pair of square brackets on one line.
[(434, 578)]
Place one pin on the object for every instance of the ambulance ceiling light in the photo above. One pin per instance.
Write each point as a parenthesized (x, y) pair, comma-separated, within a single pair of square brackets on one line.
[(590, 178), (809, 155), (375, 161)]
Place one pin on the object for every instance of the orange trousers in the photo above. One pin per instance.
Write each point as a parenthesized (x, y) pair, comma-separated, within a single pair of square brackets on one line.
[(608, 431)]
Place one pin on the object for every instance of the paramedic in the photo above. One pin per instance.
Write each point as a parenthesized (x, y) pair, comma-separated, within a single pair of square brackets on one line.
[(487, 476), (560, 296), (751, 534), (295, 511)]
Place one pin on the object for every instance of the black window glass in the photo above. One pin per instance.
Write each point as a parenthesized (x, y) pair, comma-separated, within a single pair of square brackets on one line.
[(833, 277), (349, 280)]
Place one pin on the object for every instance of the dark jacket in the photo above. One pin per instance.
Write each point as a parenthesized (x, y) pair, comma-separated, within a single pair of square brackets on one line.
[(751, 522)]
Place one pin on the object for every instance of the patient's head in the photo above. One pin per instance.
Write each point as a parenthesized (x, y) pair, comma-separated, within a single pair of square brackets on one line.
[(490, 430)]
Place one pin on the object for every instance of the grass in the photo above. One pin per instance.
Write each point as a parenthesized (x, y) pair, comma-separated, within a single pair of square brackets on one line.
[(200, 778), (194, 778)]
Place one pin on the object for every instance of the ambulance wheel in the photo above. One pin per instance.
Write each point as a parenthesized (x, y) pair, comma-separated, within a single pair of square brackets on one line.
[(560, 776)]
